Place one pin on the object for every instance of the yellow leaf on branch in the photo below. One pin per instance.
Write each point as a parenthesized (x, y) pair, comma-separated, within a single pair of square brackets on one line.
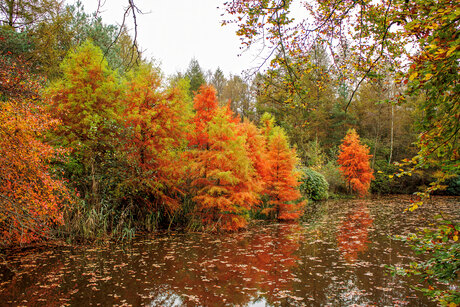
[(413, 76)]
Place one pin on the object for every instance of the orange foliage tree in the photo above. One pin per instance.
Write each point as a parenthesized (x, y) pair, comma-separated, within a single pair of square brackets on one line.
[(256, 148), (354, 163), (205, 106), (156, 122), (223, 176), (282, 179), (31, 198)]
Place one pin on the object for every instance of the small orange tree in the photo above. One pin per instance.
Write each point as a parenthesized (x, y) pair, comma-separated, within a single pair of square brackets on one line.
[(205, 104), (282, 179), (225, 182), (354, 163)]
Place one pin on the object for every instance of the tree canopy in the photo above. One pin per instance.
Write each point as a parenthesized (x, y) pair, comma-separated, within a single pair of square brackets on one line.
[(415, 42)]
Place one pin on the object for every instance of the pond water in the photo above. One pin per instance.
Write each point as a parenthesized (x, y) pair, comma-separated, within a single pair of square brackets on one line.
[(338, 259)]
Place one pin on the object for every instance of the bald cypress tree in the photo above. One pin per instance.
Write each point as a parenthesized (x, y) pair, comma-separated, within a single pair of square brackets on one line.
[(354, 163)]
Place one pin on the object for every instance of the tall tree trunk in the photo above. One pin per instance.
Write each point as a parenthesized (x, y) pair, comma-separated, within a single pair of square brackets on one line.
[(377, 137), (391, 134), (10, 12)]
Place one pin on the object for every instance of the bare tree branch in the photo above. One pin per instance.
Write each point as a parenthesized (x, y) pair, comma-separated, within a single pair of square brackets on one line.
[(382, 44), (131, 8), (100, 4)]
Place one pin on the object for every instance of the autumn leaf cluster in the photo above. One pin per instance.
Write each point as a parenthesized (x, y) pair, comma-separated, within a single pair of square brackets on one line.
[(33, 196)]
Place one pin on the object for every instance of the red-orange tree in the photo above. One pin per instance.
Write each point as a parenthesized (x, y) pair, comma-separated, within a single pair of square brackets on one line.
[(223, 178), (31, 198), (282, 179), (156, 122), (354, 163), (205, 106)]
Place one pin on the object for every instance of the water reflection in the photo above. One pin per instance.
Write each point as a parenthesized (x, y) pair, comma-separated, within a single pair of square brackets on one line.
[(353, 232), (339, 261), (238, 270)]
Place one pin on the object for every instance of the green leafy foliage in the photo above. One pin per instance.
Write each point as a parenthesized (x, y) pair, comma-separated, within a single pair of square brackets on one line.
[(86, 100), (453, 185), (441, 248), (195, 76), (313, 185), (333, 176), (14, 43)]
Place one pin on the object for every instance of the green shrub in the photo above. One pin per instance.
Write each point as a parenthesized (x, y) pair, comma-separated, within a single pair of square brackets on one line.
[(334, 178), (382, 183), (453, 186), (313, 185), (386, 182)]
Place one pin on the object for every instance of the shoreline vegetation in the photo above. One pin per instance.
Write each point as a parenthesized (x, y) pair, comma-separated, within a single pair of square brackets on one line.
[(312, 213)]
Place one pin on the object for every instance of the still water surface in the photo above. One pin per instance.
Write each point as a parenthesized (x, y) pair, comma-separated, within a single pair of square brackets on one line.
[(337, 259)]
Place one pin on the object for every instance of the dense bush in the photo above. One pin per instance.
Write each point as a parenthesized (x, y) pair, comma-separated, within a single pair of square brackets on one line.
[(383, 184), (313, 185)]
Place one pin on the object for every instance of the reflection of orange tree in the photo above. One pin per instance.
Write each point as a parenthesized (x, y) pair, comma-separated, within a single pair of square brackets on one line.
[(276, 260), (237, 270), (353, 233)]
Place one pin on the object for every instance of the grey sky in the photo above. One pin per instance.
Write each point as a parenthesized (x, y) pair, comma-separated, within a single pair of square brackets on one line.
[(175, 31)]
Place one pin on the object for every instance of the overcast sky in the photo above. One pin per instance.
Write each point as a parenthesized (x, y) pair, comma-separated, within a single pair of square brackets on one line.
[(175, 31)]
